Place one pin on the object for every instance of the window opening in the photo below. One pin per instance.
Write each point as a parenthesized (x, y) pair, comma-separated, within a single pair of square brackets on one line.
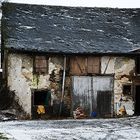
[(126, 89), (40, 64), (42, 98)]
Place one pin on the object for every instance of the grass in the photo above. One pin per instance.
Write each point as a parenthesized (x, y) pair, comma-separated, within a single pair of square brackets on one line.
[(2, 137)]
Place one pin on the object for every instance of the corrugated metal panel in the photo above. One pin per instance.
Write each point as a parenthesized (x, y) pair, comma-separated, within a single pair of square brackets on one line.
[(87, 89)]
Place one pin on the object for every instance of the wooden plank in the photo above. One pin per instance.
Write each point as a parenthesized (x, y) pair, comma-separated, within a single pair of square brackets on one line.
[(93, 65), (78, 65), (82, 92)]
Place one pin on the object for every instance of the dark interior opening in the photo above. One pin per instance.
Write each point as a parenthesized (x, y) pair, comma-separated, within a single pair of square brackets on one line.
[(138, 65), (137, 100), (126, 89), (41, 98)]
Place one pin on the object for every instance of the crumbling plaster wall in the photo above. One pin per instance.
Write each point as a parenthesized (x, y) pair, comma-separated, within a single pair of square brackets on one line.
[(123, 70), (21, 79)]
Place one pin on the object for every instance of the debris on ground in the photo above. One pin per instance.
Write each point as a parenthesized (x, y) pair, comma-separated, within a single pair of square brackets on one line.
[(122, 111), (79, 113), (9, 114), (9, 105)]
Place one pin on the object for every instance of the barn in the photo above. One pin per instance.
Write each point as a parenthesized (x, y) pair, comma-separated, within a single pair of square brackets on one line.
[(57, 59)]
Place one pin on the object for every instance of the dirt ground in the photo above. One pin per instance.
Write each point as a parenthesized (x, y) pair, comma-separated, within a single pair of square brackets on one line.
[(94, 129)]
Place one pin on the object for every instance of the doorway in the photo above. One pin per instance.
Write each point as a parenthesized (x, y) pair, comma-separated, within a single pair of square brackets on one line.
[(137, 100), (41, 100), (94, 94)]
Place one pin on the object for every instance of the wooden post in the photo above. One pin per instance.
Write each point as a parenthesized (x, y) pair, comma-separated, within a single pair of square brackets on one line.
[(63, 85)]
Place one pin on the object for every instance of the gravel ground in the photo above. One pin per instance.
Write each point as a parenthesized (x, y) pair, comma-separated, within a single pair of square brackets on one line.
[(94, 129)]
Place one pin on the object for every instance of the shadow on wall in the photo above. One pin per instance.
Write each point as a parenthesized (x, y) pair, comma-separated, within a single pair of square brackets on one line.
[(6, 97), (8, 105)]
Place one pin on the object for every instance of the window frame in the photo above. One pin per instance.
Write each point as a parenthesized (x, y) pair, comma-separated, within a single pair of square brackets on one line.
[(39, 71)]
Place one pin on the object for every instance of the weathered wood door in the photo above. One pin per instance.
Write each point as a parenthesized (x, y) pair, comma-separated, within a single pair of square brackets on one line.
[(94, 94)]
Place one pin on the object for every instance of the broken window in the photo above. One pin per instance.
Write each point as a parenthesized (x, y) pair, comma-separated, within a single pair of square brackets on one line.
[(81, 65), (126, 89), (138, 65), (40, 64)]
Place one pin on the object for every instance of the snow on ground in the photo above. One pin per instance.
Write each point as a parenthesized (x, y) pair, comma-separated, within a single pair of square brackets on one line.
[(94, 129)]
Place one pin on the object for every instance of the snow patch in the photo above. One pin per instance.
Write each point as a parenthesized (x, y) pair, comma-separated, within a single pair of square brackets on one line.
[(27, 27)]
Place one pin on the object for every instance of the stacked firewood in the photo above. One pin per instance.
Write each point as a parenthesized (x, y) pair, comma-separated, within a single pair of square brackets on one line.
[(79, 113), (122, 111)]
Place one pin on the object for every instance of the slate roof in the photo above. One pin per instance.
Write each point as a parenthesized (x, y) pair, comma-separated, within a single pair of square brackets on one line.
[(56, 29)]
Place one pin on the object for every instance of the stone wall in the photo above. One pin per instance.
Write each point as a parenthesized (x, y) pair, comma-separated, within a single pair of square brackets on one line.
[(123, 69), (22, 80)]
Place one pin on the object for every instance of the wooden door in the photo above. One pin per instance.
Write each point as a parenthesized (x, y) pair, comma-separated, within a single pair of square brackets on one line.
[(82, 93), (104, 103), (94, 94)]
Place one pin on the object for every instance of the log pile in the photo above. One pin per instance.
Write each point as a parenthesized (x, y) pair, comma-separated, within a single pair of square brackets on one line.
[(79, 113), (122, 111)]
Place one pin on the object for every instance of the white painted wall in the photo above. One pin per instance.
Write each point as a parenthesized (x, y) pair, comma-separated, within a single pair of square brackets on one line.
[(18, 82), (21, 78), (107, 65)]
